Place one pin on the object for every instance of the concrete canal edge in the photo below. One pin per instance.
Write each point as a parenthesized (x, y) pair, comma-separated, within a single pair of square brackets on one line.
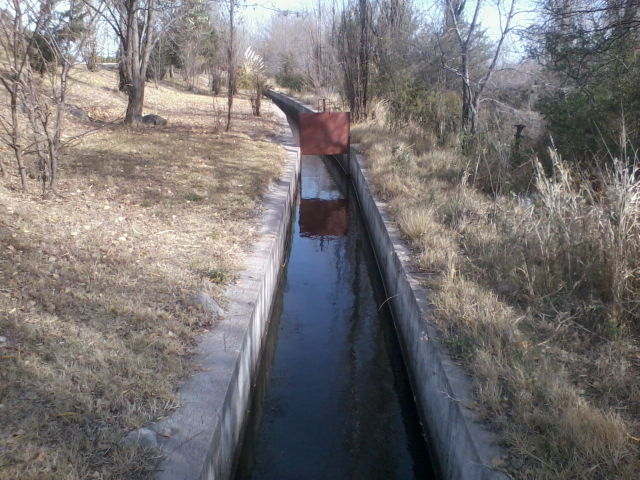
[(199, 441), (462, 447)]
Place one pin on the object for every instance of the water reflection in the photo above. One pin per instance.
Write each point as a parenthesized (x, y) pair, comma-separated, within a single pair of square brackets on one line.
[(323, 218)]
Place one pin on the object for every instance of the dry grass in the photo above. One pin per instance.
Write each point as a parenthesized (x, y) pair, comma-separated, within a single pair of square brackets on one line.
[(536, 295), (95, 283)]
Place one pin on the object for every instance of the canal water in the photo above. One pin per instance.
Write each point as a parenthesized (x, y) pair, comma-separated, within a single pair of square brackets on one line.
[(332, 399)]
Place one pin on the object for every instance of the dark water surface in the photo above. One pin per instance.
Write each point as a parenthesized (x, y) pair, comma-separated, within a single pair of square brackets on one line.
[(333, 400)]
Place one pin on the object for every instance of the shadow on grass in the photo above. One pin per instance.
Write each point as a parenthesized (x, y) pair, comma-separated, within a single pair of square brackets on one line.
[(94, 349)]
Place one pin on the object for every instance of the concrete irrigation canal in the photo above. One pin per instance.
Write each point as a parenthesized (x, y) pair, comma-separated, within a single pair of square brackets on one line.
[(333, 400), (324, 364)]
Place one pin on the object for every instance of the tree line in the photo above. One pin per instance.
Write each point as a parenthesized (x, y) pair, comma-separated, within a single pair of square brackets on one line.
[(435, 65), (42, 40), (439, 65)]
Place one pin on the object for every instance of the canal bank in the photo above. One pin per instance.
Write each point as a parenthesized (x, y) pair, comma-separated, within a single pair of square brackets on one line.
[(461, 447), (200, 441)]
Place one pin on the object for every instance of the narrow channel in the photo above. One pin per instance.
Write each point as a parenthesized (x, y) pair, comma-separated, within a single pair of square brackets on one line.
[(332, 400)]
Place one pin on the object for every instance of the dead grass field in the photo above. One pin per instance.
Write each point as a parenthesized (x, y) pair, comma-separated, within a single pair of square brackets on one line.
[(523, 293), (95, 317)]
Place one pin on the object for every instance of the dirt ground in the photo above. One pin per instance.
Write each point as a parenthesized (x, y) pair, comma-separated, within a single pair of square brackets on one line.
[(96, 321)]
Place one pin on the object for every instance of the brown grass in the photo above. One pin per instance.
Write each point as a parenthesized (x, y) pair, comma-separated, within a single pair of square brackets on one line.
[(95, 283), (536, 296)]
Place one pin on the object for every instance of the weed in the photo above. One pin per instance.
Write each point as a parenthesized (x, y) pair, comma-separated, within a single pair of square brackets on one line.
[(216, 275), (534, 283), (193, 197)]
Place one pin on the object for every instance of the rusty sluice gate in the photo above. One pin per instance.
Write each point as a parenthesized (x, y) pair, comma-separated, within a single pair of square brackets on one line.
[(325, 133), (332, 399)]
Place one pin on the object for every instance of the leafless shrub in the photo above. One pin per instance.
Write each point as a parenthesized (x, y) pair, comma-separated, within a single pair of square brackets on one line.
[(29, 28)]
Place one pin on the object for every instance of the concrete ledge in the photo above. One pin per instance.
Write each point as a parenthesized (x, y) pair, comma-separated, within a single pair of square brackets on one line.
[(199, 441), (462, 448)]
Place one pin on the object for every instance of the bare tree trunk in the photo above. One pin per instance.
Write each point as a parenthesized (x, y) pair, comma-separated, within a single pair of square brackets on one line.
[(467, 94), (122, 80), (258, 96), (134, 23), (38, 120), (472, 90), (136, 102), (15, 136), (61, 103), (231, 77), (363, 71)]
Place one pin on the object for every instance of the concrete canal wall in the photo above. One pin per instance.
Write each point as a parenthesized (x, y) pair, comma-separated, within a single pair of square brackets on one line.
[(200, 440), (462, 448)]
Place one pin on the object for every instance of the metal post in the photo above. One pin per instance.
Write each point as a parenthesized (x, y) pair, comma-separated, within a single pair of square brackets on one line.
[(324, 104), (349, 158)]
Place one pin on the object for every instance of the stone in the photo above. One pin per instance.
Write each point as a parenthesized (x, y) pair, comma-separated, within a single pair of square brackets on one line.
[(207, 303), (143, 437), (78, 113), (153, 119), (3, 339)]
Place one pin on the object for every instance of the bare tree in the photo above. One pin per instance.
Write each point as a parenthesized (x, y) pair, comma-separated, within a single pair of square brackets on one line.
[(137, 25), (15, 47), (466, 33), (354, 49), (134, 22), (231, 64), (61, 33)]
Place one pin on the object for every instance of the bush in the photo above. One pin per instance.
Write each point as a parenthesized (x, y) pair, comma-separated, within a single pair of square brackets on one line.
[(582, 242), (289, 77), (433, 110), (581, 123)]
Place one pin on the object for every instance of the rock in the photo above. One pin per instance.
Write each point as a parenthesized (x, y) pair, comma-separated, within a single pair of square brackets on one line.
[(143, 437), (78, 113), (152, 119), (208, 304), (3, 339)]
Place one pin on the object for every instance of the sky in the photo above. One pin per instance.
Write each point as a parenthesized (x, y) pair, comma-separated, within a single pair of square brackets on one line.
[(259, 12), (263, 9)]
